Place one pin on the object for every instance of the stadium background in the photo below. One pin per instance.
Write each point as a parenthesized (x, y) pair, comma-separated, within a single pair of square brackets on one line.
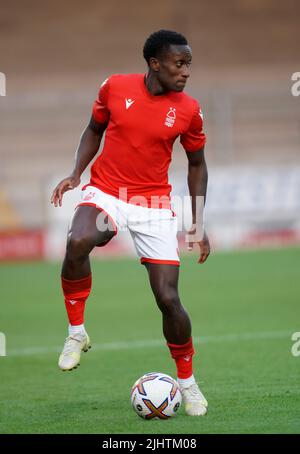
[(55, 55)]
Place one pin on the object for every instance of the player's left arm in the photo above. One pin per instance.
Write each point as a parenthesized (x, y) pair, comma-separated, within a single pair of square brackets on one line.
[(197, 183)]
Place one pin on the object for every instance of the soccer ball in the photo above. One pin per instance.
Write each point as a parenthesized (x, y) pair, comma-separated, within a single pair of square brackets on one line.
[(156, 396)]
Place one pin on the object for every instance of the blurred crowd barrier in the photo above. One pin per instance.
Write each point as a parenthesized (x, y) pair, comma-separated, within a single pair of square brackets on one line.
[(247, 207)]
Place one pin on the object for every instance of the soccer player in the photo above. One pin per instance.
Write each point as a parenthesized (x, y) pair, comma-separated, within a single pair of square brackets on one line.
[(142, 115)]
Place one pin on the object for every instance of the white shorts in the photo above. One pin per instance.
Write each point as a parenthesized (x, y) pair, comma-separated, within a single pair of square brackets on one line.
[(153, 230)]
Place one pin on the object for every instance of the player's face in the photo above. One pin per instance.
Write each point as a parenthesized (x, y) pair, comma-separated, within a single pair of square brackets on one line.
[(173, 70)]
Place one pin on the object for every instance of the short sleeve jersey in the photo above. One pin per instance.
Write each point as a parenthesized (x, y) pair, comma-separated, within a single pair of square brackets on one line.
[(141, 131)]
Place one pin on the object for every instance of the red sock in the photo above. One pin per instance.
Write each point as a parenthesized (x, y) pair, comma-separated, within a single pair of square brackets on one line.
[(76, 294), (183, 355)]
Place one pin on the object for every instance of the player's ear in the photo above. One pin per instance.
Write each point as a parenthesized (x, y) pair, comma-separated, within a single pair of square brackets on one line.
[(154, 64)]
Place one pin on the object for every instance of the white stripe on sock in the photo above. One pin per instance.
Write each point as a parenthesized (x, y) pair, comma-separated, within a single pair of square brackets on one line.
[(186, 382), (76, 329)]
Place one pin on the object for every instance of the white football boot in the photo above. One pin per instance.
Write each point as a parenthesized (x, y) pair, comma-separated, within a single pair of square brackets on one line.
[(194, 402), (74, 345)]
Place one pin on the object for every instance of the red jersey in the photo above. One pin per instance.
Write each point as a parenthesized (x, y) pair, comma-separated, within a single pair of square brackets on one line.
[(140, 134)]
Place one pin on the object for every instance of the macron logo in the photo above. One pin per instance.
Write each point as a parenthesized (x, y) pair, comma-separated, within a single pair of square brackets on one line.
[(129, 102), (72, 302), (187, 358)]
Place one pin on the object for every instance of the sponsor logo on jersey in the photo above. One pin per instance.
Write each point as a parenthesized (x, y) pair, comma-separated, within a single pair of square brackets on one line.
[(129, 102), (171, 117)]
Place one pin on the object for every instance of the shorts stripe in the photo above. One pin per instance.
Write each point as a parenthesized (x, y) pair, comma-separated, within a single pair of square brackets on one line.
[(161, 262)]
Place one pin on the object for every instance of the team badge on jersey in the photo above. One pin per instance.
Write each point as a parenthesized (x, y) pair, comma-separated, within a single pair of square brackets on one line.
[(171, 117)]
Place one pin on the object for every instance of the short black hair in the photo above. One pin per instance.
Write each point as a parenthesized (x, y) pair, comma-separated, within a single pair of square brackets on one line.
[(160, 41)]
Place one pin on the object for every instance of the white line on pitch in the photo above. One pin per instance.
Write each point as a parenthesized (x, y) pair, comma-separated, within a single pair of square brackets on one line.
[(131, 345)]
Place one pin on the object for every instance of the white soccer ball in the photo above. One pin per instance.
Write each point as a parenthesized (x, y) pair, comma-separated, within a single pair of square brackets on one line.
[(156, 396)]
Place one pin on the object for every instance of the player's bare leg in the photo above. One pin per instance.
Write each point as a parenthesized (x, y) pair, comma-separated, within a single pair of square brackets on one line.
[(83, 236), (164, 284), (177, 331)]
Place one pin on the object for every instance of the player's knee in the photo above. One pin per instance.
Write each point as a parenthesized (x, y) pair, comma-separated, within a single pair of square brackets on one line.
[(78, 246), (168, 300)]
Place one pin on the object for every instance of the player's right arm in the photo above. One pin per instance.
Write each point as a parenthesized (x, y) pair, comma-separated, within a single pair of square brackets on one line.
[(88, 147)]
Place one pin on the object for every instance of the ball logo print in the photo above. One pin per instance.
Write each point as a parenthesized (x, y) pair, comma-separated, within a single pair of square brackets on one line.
[(141, 382), (155, 396), (175, 386), (156, 412)]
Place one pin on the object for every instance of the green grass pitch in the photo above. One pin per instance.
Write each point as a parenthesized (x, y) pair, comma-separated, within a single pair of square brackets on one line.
[(244, 308)]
